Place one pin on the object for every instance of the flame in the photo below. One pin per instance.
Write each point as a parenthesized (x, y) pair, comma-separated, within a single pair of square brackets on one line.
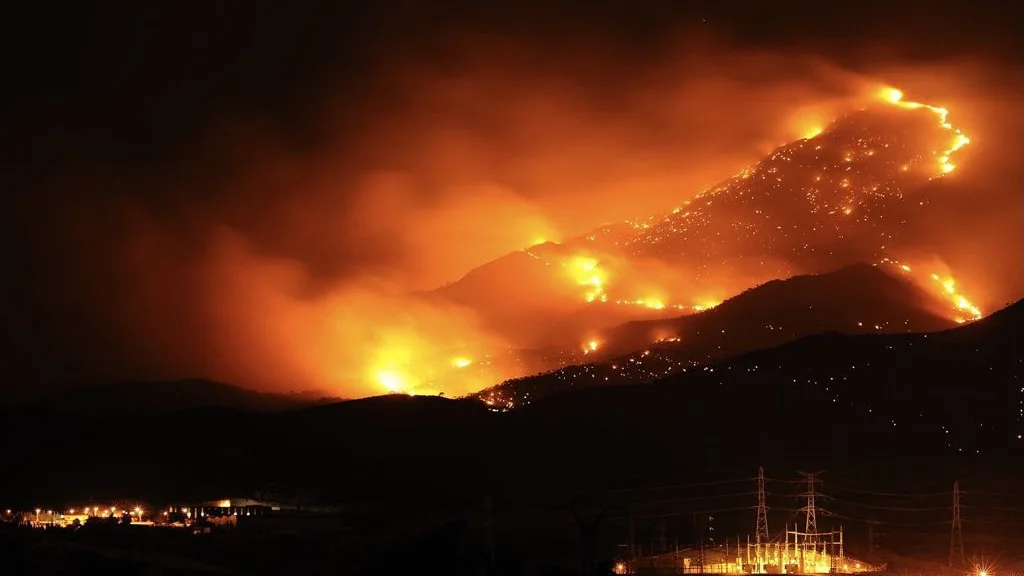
[(393, 380), (947, 288), (706, 305), (586, 272), (890, 94), (652, 303), (589, 271), (812, 131), (894, 96), (959, 301)]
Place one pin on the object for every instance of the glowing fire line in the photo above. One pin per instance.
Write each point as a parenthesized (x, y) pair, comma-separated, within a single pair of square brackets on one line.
[(963, 308), (895, 97)]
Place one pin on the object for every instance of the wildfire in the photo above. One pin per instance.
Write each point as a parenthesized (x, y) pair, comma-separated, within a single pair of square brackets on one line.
[(812, 131), (706, 305), (394, 381), (587, 273), (846, 184), (658, 304), (958, 300), (652, 303), (894, 96), (963, 308)]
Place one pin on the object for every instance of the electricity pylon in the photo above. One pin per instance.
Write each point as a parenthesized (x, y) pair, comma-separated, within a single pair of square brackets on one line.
[(956, 535), (811, 522), (762, 512)]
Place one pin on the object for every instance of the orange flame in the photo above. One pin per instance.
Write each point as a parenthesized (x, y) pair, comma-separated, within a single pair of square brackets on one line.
[(963, 309), (894, 96)]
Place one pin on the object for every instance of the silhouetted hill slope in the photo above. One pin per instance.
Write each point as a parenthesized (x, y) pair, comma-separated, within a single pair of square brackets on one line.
[(392, 411), (868, 405), (141, 398), (829, 397), (878, 412), (853, 299), (857, 299)]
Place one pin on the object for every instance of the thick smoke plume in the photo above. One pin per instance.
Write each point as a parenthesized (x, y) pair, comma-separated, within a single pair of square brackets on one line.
[(283, 263)]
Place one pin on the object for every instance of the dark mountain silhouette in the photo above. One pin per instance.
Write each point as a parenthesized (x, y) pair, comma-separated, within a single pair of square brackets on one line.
[(950, 390), (845, 390), (844, 196), (854, 300), (879, 411), (142, 398), (395, 411)]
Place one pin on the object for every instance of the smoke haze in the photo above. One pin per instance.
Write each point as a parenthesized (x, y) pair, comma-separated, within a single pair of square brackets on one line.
[(284, 258)]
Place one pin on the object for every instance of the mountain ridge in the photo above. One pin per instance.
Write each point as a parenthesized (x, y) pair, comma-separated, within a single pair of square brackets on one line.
[(165, 396), (848, 390), (856, 299), (811, 206)]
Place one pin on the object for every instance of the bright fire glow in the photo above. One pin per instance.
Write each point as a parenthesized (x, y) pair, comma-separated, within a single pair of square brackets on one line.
[(958, 140), (658, 304), (587, 272), (958, 300), (393, 380), (706, 305), (411, 355), (963, 309)]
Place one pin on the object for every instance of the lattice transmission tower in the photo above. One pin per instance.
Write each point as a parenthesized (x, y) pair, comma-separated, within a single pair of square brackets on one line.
[(762, 511), (956, 534), (811, 522)]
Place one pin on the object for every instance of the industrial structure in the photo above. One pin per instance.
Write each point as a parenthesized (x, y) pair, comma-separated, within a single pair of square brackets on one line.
[(793, 551)]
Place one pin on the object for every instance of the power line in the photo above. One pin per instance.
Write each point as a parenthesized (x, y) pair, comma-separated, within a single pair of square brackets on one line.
[(894, 494), (892, 508), (678, 486), (703, 497), (917, 524), (692, 513)]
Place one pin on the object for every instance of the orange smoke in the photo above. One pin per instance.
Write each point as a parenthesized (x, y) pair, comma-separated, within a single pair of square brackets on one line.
[(352, 340), (281, 268)]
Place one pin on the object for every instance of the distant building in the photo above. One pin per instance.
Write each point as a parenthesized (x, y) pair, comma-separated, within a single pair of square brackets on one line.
[(254, 515)]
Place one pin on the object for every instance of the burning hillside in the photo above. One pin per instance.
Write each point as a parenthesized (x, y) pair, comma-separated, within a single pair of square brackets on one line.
[(839, 197)]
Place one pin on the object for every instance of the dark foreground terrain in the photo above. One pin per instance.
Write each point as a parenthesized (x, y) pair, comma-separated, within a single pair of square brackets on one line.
[(426, 483)]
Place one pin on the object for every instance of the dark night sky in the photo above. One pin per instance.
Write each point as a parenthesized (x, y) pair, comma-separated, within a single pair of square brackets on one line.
[(120, 100), (131, 83)]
